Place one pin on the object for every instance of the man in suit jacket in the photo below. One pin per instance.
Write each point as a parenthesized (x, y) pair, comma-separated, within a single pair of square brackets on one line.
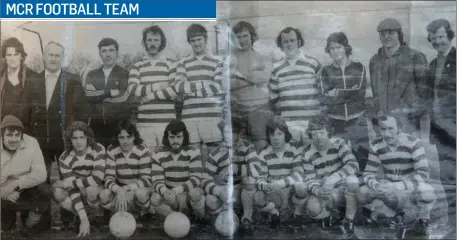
[(105, 88), (54, 99), (442, 81)]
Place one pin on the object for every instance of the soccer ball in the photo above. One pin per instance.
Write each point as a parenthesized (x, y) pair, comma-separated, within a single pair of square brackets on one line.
[(122, 225), (176, 225), (227, 223)]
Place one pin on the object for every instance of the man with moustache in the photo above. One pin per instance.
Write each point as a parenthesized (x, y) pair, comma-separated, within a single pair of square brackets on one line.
[(249, 75), (54, 99), (293, 85), (398, 78), (102, 85), (443, 77)]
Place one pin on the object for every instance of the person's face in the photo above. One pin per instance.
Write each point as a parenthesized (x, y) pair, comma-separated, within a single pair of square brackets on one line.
[(389, 130), (13, 58), (277, 139), (198, 44), (153, 42), (109, 55), (176, 141), (440, 41), (12, 139), (125, 141), (245, 39), (79, 141), (320, 138), (389, 38), (53, 56), (289, 43), (337, 51)]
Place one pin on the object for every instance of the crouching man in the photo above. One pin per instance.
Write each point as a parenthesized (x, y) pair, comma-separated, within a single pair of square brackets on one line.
[(226, 175), (82, 168), (22, 179), (329, 172), (276, 170), (176, 174), (404, 164), (128, 172)]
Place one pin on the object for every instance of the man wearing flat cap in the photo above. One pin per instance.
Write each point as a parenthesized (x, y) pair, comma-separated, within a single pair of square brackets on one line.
[(22, 179), (399, 77)]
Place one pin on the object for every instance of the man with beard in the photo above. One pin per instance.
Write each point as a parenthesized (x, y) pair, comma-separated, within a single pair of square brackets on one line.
[(329, 172), (82, 167), (405, 172), (230, 161), (128, 172), (103, 84), (249, 74), (277, 170), (293, 85), (176, 174)]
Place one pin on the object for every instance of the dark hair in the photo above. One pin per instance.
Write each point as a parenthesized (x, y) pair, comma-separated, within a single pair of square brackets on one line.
[(174, 127), (155, 30), (300, 40), (12, 129), (340, 38), (79, 126), (384, 118), (278, 123), (437, 24), (241, 25), (237, 125), (196, 30), (130, 128), (108, 42), (16, 44), (400, 35), (318, 123)]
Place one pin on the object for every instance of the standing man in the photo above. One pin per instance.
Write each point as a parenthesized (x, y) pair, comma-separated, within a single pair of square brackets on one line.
[(443, 77), (103, 84), (249, 75), (54, 99), (293, 85), (398, 77), (22, 179)]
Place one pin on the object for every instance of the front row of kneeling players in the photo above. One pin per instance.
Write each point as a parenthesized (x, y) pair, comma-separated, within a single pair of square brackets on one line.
[(318, 178)]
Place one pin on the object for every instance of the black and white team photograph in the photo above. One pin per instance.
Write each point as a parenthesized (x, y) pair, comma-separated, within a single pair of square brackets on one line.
[(279, 120)]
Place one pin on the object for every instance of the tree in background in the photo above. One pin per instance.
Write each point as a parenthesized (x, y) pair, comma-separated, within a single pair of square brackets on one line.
[(81, 63)]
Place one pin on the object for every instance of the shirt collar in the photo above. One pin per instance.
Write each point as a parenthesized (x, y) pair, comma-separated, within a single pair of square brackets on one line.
[(447, 52), (54, 74)]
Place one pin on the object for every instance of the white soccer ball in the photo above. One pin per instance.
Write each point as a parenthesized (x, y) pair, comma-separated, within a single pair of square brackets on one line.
[(122, 225), (227, 223), (176, 225)]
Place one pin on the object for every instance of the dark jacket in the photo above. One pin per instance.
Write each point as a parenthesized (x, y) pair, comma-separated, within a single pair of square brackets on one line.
[(447, 85), (24, 75), (48, 125), (100, 110), (400, 81), (351, 83)]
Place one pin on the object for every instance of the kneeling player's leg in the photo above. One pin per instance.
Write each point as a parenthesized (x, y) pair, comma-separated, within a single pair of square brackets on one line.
[(159, 206), (247, 197), (299, 197), (365, 195), (261, 202), (213, 203), (142, 198), (93, 199), (315, 208), (197, 201), (425, 200), (350, 194), (63, 198), (107, 199)]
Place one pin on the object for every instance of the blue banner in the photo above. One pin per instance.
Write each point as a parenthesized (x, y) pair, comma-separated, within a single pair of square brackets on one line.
[(108, 9)]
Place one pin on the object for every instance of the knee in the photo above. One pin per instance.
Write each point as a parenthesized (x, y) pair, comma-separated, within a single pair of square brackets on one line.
[(142, 195), (301, 190), (352, 183), (105, 196), (427, 192), (195, 194), (59, 194), (213, 202), (313, 206), (248, 183), (363, 195), (92, 193), (260, 199), (156, 199)]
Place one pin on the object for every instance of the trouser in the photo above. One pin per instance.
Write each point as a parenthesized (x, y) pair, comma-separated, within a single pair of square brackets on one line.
[(36, 199), (50, 156), (104, 130)]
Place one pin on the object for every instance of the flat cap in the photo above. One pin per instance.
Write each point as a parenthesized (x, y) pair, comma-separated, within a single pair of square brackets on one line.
[(389, 24)]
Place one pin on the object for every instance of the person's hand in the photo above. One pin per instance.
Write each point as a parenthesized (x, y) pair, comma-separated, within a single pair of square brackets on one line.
[(114, 92), (384, 187), (268, 188), (121, 200), (324, 194), (84, 228), (333, 93), (223, 193), (329, 183), (13, 197), (90, 87), (277, 185), (169, 195), (67, 184), (8, 187)]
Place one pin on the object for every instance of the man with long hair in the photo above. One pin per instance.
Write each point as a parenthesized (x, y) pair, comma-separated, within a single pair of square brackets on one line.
[(128, 172), (176, 174), (82, 167)]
